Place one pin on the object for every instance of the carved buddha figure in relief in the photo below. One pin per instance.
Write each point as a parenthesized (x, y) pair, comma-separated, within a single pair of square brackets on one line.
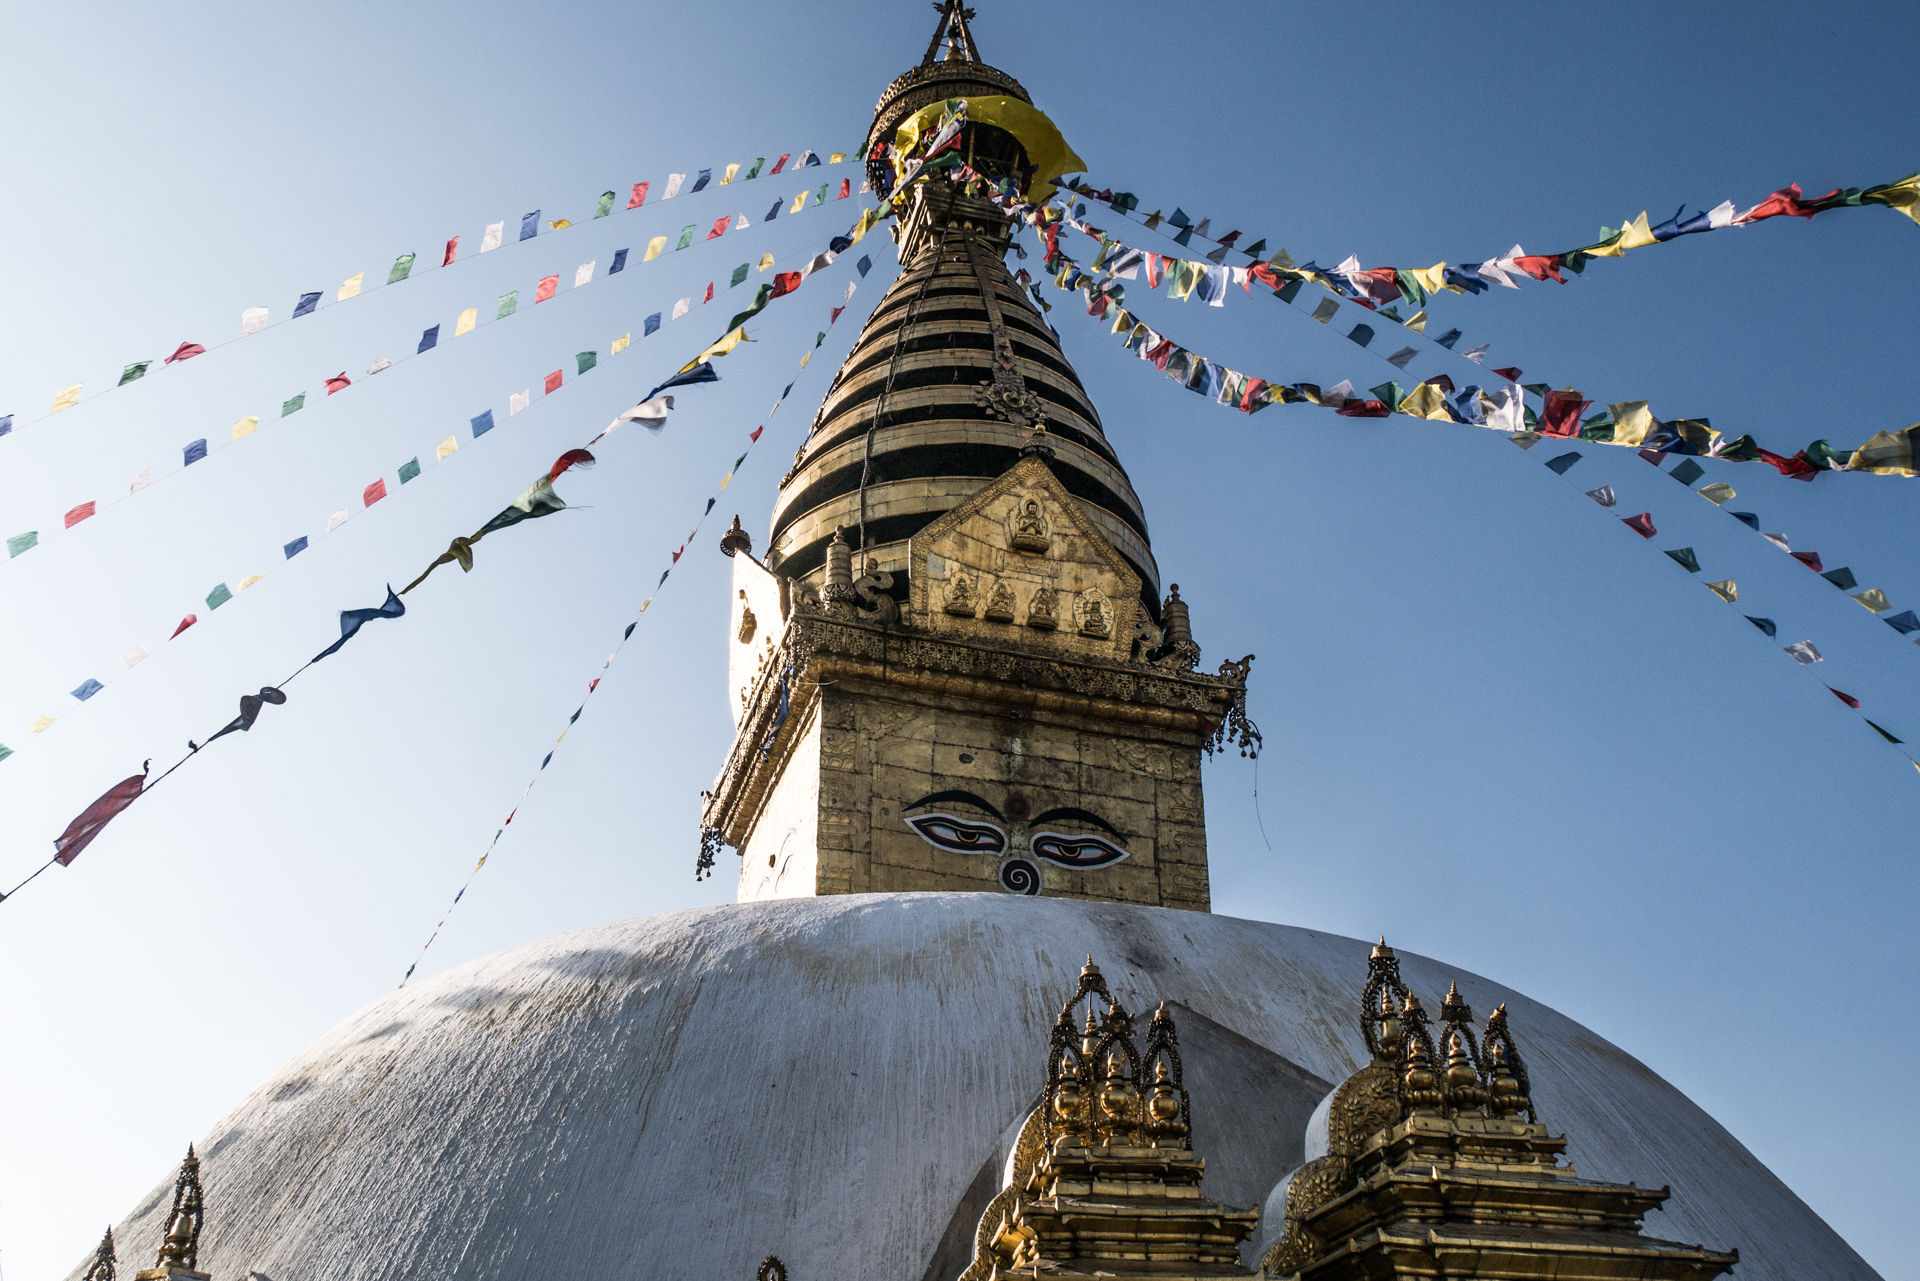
[(1043, 610), (1000, 603), (1030, 529), (960, 599), (1093, 618)]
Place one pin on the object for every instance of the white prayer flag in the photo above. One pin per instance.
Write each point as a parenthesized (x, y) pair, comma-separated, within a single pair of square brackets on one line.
[(1477, 354), (517, 402), (1721, 215), (673, 185), (1804, 652), (1509, 413), (742, 224), (1402, 358), (584, 276), (350, 287), (822, 260), (336, 520), (850, 288), (134, 655), (492, 239), (1778, 540), (1337, 395), (681, 308), (1603, 495), (140, 482), (651, 414), (378, 365), (253, 320)]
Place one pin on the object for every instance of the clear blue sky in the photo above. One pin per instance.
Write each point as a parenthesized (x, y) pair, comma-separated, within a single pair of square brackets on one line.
[(1500, 728)]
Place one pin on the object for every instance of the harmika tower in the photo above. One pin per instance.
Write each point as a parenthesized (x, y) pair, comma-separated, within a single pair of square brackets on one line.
[(953, 669)]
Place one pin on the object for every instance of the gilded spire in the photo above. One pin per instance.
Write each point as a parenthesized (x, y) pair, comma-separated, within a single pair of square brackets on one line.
[(180, 1247), (105, 1259), (953, 29)]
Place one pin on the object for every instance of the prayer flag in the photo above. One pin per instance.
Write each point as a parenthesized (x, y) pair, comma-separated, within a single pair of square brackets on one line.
[(1326, 311), (185, 351), (549, 285), (1873, 598), (509, 303), (1718, 492), (1848, 699), (373, 493), (553, 381), (682, 307), (491, 240), (445, 447), (350, 287), (218, 597), (1562, 413), (402, 268), (134, 655), (446, 256), (1810, 559), (1803, 652), (863, 266), (651, 414), (22, 542), (673, 185), (739, 274), (652, 323), (194, 452), (709, 294), (409, 470), (1477, 354), (144, 479), (1684, 557), (1904, 622), (639, 195), (1687, 472), (799, 202), (306, 304), (1641, 524), (686, 236), (518, 401), (253, 320), (138, 369), (530, 225), (80, 513), (777, 164), (66, 399), (351, 620), (585, 360), (605, 206), (94, 819), (719, 226), (1886, 454), (558, 224), (88, 688), (295, 547), (429, 339), (1563, 462), (690, 377), (727, 177), (1764, 624), (1842, 578), (481, 423), (1400, 359), (654, 247), (1603, 495), (338, 519), (466, 322), (1725, 590), (784, 283), (1876, 729), (339, 382), (846, 189), (620, 344), (583, 274)]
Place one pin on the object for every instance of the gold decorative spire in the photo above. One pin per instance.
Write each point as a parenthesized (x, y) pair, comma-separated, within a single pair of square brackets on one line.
[(179, 1254), (105, 1260), (953, 29)]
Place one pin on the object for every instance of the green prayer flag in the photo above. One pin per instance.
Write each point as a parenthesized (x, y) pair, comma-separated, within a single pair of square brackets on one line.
[(1882, 733), (509, 303), (409, 469), (1389, 394), (739, 274), (5, 751), (218, 597), (1684, 557), (754, 308), (1289, 291), (1253, 250), (586, 361), (1842, 578), (402, 268), (755, 171), (1598, 428), (1824, 456), (820, 338), (298, 402), (820, 196), (736, 463), (1687, 472), (605, 206), (663, 578), (686, 237), (538, 501), (138, 369), (576, 714), (1538, 389), (21, 542)]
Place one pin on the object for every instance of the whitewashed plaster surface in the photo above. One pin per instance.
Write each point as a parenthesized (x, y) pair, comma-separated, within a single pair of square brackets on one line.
[(679, 1096)]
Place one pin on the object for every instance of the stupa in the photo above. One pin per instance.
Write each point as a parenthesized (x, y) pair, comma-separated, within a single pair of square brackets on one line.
[(970, 723)]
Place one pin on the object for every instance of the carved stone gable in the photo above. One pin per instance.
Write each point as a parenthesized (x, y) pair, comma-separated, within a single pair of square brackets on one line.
[(1019, 564)]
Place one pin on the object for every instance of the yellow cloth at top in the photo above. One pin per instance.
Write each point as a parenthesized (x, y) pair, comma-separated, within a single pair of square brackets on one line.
[(1887, 454), (1046, 149), (248, 582), (620, 344), (66, 399), (1432, 279), (1632, 420), (245, 426), (465, 324), (654, 247), (1634, 235), (799, 203), (728, 176), (766, 261), (1426, 401), (350, 287), (1419, 322), (1903, 195), (733, 338)]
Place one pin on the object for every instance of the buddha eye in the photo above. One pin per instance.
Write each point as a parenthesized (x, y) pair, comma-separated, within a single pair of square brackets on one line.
[(1075, 850), (967, 836)]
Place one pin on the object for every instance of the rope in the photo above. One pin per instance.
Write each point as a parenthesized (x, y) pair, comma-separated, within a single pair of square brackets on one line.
[(893, 364)]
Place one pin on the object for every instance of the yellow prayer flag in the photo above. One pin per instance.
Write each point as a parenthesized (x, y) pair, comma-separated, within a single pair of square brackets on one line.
[(620, 343), (1634, 235), (447, 446), (799, 203), (350, 287), (836, 157), (1632, 420), (1610, 245), (465, 324), (766, 261), (724, 479), (731, 339), (643, 604), (1903, 195), (1874, 599), (66, 399), (41, 724), (1426, 401), (1887, 454), (1419, 322), (245, 426), (248, 582), (804, 359), (1725, 590), (1433, 279), (654, 247), (728, 177), (555, 226), (1718, 492)]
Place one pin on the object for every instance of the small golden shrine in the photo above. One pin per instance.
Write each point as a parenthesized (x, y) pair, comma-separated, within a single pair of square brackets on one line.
[(1103, 1180), (179, 1254), (1433, 1163)]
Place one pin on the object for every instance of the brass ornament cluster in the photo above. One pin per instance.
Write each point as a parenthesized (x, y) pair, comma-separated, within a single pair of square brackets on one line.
[(1097, 1093)]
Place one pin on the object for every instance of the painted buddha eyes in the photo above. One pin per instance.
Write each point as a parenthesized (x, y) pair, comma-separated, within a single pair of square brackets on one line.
[(951, 832), (1074, 850)]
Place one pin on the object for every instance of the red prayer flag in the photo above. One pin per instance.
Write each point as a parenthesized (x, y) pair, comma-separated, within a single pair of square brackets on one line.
[(1641, 524), (1787, 201), (1443, 382), (1382, 283), (1541, 266), (553, 382), (549, 286), (1153, 270), (719, 226), (79, 514), (755, 433), (339, 382), (572, 458), (834, 314), (1811, 560), (1797, 466), (185, 623), (1226, 241), (80, 832), (676, 555), (1562, 414), (639, 195), (781, 161), (1510, 373), (185, 351), (1363, 409), (784, 282), (846, 189), (446, 259), (595, 685), (709, 297), (1254, 387), (1848, 699), (373, 493)]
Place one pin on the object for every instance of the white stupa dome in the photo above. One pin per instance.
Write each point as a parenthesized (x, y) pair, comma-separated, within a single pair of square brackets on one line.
[(834, 1080)]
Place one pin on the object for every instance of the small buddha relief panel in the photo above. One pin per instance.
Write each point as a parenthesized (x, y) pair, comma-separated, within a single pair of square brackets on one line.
[(1023, 569)]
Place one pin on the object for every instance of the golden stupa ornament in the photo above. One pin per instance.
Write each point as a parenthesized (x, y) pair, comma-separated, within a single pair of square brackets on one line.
[(179, 1255), (105, 1264)]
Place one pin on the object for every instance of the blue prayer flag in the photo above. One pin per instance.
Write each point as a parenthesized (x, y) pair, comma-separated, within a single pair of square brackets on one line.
[(864, 265), (1559, 465), (193, 453), (653, 323), (629, 632), (619, 262), (1179, 218), (700, 183), (1748, 519), (783, 395), (295, 547), (811, 159), (530, 225), (88, 688), (1362, 334), (483, 424), (6, 423), (700, 373), (1688, 472), (773, 212), (428, 340), (351, 619), (1448, 339), (1764, 624), (306, 304), (543, 764), (1903, 622)]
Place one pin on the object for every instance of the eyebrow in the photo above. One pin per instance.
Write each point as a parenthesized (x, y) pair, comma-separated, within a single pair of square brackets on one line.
[(936, 798), (1069, 811)]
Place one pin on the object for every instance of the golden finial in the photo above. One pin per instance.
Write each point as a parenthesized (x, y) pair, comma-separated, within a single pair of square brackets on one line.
[(180, 1248), (105, 1259), (1381, 952)]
